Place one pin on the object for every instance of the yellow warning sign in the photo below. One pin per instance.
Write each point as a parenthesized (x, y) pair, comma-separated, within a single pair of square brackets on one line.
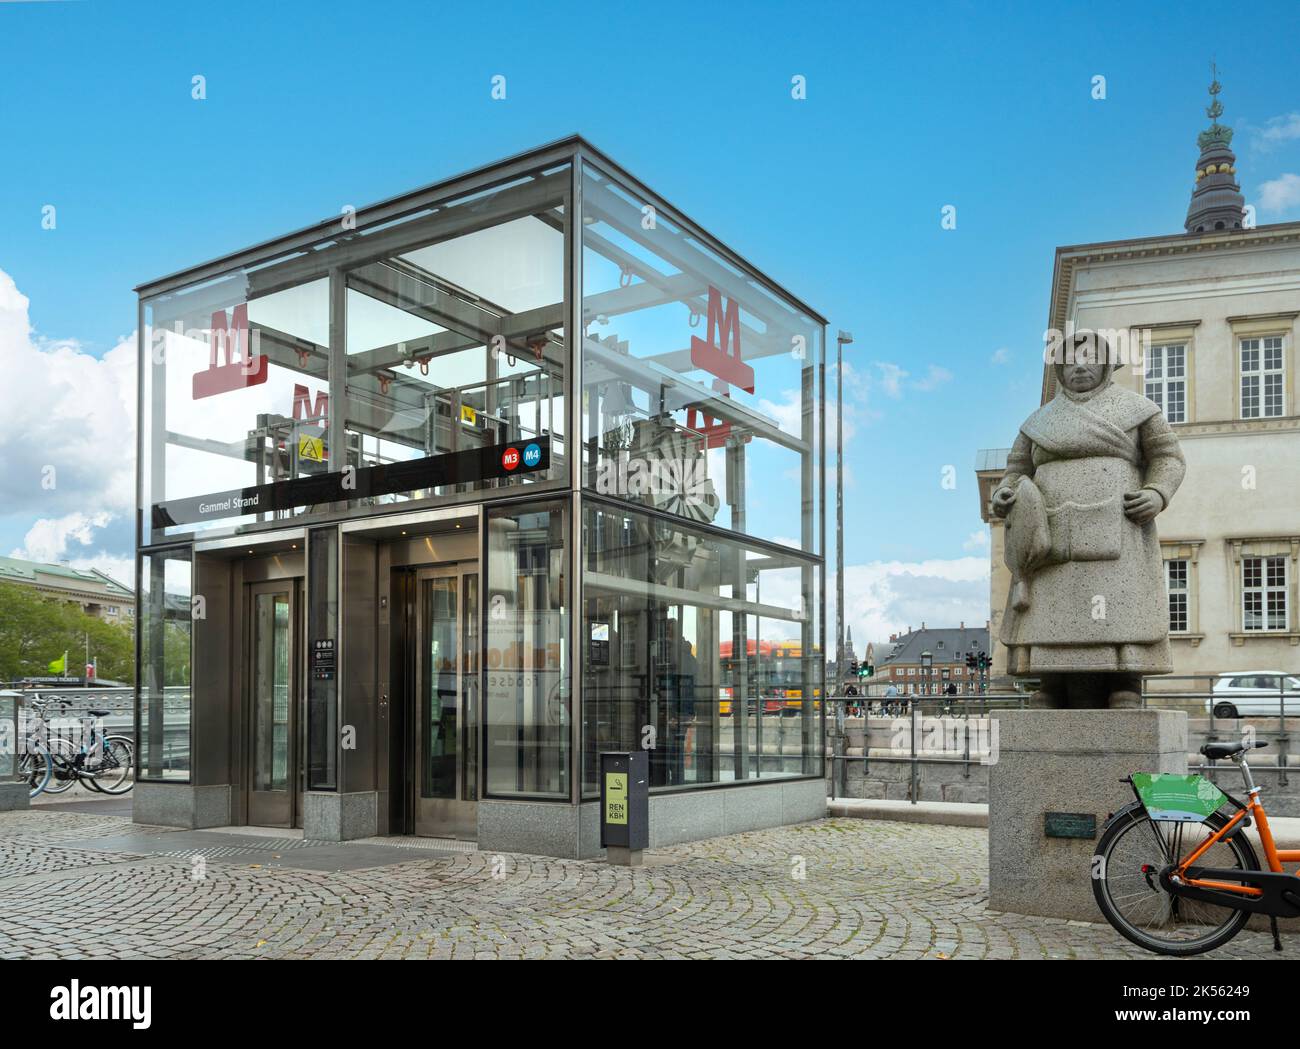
[(468, 414), (312, 448), (616, 797)]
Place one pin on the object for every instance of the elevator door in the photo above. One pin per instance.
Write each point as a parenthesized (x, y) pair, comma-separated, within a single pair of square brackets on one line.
[(273, 706), (446, 720)]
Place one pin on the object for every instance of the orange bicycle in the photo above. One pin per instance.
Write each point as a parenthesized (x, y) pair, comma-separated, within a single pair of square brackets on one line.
[(1174, 870)]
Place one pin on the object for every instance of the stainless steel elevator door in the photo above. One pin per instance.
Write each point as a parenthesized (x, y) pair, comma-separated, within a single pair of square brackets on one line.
[(274, 788), (446, 725)]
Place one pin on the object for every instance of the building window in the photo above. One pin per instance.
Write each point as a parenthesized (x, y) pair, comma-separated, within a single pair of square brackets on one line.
[(911, 671), (1262, 378), (1166, 380), (1263, 593), (1176, 586)]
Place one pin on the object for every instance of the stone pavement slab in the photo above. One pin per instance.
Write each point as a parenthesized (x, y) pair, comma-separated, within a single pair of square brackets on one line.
[(836, 888)]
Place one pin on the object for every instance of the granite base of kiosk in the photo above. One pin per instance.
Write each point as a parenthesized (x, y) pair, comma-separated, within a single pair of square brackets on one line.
[(624, 806)]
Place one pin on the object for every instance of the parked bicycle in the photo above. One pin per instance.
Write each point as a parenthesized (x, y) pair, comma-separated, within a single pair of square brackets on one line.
[(1175, 873), (51, 764)]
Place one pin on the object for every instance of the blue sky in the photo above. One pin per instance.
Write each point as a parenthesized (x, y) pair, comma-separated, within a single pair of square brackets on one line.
[(987, 107)]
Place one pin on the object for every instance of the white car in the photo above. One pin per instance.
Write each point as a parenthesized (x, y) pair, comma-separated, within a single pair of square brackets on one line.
[(1254, 692)]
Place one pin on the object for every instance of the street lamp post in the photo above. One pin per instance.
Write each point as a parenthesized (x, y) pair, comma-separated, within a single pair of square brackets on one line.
[(842, 339)]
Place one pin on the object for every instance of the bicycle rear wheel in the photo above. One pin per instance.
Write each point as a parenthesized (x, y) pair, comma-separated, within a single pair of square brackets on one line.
[(63, 765), (114, 774), (1126, 883)]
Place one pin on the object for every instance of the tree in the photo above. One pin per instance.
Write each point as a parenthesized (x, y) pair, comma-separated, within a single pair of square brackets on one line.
[(36, 630)]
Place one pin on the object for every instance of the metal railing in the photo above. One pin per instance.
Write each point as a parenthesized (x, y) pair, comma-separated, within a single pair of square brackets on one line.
[(941, 709), (1159, 693), (1205, 703)]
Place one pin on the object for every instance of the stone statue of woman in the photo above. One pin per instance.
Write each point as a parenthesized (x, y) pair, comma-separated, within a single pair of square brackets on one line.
[(1089, 471)]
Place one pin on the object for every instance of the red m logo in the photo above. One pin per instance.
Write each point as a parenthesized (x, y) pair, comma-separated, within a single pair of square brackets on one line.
[(303, 408), (230, 340), (721, 354)]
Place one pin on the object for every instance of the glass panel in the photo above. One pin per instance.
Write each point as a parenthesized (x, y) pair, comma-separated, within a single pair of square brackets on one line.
[(165, 625), (526, 697), (701, 387), (272, 692), (1154, 361), (1176, 361), (706, 652), (441, 657), (455, 338), (453, 322), (236, 395)]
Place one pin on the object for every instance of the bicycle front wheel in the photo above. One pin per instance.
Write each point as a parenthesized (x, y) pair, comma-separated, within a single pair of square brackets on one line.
[(35, 767), (1133, 850)]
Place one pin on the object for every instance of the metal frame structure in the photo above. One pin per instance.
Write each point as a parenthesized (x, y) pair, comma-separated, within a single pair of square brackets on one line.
[(517, 186)]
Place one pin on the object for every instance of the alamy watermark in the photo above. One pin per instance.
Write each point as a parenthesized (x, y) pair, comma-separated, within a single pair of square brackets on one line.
[(1118, 347), (638, 476), (967, 739)]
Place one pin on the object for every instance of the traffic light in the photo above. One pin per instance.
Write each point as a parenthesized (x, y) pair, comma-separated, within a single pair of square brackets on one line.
[(971, 663), (853, 668), (985, 662), (867, 670)]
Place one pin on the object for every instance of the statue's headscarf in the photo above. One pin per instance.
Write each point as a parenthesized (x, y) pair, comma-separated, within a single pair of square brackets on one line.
[(1084, 341)]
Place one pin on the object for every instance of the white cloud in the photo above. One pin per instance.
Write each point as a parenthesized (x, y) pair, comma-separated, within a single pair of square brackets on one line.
[(891, 378), (886, 597), (48, 538), (1001, 355), (73, 538), (935, 377), (1276, 131), (977, 540), (894, 378), (67, 437), (1280, 194)]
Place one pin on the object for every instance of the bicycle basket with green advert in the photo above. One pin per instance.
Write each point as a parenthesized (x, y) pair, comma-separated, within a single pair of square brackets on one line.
[(1171, 798)]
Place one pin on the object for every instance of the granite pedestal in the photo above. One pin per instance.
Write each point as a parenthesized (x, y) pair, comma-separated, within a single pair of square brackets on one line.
[(1072, 763), (14, 796)]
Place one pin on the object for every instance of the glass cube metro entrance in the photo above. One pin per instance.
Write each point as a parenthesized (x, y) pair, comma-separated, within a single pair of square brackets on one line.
[(442, 499)]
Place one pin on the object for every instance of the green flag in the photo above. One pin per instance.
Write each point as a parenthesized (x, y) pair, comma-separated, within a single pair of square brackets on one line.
[(59, 666)]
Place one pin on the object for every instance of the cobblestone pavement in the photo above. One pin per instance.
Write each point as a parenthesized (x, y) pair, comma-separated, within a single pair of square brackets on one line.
[(835, 888)]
